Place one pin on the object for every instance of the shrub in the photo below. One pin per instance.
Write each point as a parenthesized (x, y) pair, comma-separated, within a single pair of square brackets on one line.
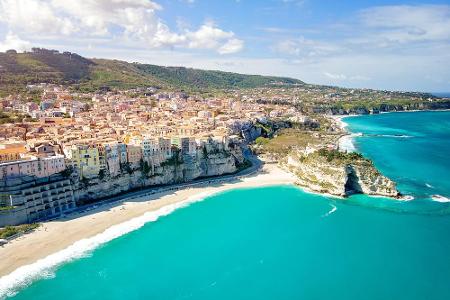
[(9, 231)]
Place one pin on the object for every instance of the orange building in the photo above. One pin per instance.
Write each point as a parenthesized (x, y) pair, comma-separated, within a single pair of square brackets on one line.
[(11, 151)]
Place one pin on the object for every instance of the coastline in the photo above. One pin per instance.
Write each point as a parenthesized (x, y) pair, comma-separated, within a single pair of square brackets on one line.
[(346, 141), (76, 235), (16, 259)]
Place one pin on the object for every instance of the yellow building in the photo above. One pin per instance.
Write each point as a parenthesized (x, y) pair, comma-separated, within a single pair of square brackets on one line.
[(85, 159), (11, 151)]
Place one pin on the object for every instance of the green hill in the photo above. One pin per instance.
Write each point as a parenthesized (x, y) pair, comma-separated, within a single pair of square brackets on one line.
[(50, 66)]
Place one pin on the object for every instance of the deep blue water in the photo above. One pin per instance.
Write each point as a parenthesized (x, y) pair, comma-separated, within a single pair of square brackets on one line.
[(282, 243), (442, 94)]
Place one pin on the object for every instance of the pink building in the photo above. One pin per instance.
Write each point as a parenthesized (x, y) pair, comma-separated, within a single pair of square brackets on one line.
[(36, 166)]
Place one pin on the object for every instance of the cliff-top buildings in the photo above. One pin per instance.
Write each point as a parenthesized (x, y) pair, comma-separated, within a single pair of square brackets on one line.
[(72, 142)]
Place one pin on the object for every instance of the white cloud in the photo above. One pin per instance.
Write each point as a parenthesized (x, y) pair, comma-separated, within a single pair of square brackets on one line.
[(384, 46), (389, 29), (306, 47), (335, 76), (405, 23), (12, 41), (232, 46), (134, 21), (208, 36), (33, 16), (134, 16)]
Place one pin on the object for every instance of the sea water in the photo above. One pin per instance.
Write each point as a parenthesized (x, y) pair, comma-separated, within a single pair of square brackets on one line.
[(283, 243), (413, 149)]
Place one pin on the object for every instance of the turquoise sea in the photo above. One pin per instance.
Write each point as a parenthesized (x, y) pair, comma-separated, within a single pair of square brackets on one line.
[(413, 149), (282, 243)]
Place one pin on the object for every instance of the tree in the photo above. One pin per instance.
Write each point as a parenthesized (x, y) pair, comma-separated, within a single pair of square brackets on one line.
[(146, 168), (126, 166), (101, 174), (68, 171)]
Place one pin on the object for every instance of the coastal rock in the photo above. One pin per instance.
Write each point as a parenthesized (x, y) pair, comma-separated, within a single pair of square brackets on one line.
[(339, 174), (251, 133)]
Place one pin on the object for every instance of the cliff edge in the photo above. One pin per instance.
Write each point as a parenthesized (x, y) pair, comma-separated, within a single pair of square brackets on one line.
[(340, 174)]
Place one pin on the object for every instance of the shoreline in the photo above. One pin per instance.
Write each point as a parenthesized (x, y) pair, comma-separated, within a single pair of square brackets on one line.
[(17, 260), (346, 141), (61, 240)]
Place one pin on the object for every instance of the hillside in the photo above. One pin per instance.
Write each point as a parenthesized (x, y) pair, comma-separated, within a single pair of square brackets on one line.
[(41, 65), (180, 76)]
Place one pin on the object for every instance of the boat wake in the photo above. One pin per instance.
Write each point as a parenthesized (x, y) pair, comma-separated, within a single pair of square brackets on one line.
[(406, 198), (332, 210), (401, 136), (45, 268), (439, 198)]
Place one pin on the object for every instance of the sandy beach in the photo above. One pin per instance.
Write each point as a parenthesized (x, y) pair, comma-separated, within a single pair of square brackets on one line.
[(345, 142), (60, 234)]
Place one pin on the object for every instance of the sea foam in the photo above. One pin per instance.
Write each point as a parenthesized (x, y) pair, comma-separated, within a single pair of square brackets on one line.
[(45, 268), (347, 144), (439, 198)]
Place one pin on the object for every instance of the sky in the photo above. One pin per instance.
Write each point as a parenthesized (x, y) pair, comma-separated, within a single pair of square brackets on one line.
[(392, 45)]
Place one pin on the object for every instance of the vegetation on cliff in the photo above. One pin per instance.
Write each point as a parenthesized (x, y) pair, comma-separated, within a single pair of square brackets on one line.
[(338, 157), (338, 173), (286, 140), (311, 157)]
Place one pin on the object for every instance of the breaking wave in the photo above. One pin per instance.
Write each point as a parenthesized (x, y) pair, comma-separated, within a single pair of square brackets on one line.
[(45, 268), (346, 143), (439, 198), (406, 198)]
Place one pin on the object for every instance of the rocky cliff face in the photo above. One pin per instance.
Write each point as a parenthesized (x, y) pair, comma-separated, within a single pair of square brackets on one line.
[(251, 133), (437, 105), (183, 169), (339, 176)]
